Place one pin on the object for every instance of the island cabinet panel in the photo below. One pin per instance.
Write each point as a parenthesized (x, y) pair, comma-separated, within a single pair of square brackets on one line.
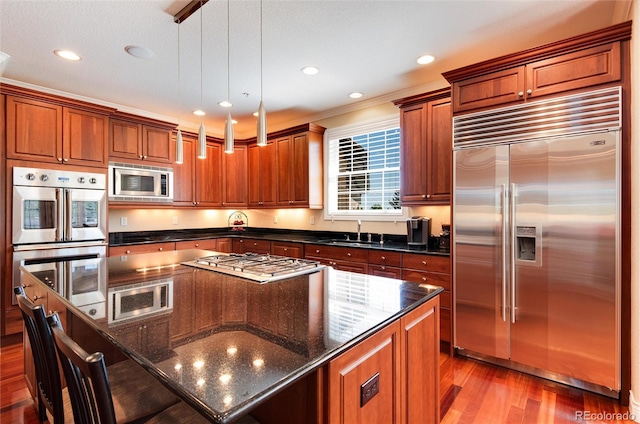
[(425, 148), (48, 132), (148, 337), (290, 249), (184, 312), (234, 303), (371, 366), (138, 142), (234, 178), (262, 175)]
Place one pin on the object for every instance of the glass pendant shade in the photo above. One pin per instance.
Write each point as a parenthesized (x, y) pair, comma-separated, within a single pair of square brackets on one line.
[(179, 148), (262, 126), (202, 142), (228, 135)]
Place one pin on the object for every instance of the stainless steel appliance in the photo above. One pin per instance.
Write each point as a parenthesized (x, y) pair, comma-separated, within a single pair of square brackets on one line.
[(140, 183), (536, 238), (138, 300), (53, 206), (260, 268), (418, 232)]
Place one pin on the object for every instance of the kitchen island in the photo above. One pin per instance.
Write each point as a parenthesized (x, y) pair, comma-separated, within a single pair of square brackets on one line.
[(328, 346)]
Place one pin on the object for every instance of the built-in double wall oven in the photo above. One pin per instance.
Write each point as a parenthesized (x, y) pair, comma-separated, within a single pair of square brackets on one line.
[(60, 216)]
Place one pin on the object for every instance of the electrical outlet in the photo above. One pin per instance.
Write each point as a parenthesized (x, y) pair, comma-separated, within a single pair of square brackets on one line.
[(123, 221), (175, 220), (312, 220), (275, 219)]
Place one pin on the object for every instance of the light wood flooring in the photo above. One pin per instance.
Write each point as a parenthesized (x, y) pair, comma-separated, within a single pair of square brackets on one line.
[(471, 392)]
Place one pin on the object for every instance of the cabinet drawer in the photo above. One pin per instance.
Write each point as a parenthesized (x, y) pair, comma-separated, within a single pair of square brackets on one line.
[(426, 262), (350, 254), (433, 278), (290, 249), (385, 271), (381, 257), (209, 244), (141, 248), (251, 246)]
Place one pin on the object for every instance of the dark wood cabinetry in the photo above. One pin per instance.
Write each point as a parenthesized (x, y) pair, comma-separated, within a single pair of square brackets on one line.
[(247, 245), (425, 148), (290, 249), (45, 130), (342, 258), (141, 248), (148, 336), (139, 141), (234, 178), (385, 264), (262, 175)]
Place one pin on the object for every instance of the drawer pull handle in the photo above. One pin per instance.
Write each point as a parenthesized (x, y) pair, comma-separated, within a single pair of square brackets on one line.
[(383, 268)]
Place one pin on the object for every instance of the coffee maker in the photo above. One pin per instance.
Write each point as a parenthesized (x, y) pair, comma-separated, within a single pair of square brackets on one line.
[(418, 231)]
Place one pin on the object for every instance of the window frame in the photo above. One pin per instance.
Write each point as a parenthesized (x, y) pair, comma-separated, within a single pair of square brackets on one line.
[(351, 130)]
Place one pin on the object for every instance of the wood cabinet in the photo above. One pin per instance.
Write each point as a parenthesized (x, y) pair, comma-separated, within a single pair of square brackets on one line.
[(234, 178), (385, 263), (133, 249), (299, 167), (575, 64), (262, 175), (392, 376), (149, 336), (140, 142), (343, 258), (206, 244), (435, 270), (285, 248), (46, 131), (247, 245), (425, 148)]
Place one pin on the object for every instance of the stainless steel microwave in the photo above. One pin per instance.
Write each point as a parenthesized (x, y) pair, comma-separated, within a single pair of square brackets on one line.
[(138, 300), (140, 183)]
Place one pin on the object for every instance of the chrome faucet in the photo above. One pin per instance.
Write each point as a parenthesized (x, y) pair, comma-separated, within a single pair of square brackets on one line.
[(359, 225)]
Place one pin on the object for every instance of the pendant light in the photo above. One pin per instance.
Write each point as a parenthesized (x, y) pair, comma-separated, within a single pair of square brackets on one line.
[(228, 127), (179, 142), (202, 136), (261, 134)]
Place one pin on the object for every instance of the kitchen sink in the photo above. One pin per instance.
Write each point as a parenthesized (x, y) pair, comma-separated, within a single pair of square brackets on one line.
[(352, 242)]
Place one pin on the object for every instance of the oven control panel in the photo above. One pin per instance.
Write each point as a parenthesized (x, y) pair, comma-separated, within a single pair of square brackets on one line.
[(36, 177)]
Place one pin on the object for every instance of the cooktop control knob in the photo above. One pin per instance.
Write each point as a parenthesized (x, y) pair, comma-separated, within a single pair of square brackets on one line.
[(44, 177), (30, 176), (81, 180)]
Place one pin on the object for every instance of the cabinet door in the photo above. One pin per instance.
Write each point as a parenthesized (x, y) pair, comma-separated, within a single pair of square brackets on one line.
[(183, 173), (156, 144), (376, 357), (126, 140), (85, 138), (284, 159), (223, 245), (283, 248), (413, 154), (207, 301), (208, 177), (439, 148), (420, 377), (351, 266), (262, 175), (496, 88), (234, 178), (299, 174), (184, 312), (34, 130)]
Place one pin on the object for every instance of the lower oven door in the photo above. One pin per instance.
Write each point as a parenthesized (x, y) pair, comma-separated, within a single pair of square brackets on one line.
[(82, 278)]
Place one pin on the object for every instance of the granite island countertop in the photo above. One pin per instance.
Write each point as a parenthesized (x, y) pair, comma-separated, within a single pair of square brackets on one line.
[(227, 343)]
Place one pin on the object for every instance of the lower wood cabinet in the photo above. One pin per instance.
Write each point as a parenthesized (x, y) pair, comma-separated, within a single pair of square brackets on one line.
[(133, 249), (148, 336), (246, 245), (290, 249)]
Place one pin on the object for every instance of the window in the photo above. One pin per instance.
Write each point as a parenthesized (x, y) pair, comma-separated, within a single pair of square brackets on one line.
[(363, 164)]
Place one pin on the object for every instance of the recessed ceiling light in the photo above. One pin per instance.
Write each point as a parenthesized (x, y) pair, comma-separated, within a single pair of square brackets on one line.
[(225, 103), (355, 95), (199, 112), (427, 58), (139, 52), (67, 54), (310, 70)]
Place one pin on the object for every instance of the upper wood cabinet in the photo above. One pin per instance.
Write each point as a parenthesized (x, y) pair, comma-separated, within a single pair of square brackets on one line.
[(579, 63), (425, 148), (299, 167), (262, 175), (47, 131), (140, 142), (234, 178)]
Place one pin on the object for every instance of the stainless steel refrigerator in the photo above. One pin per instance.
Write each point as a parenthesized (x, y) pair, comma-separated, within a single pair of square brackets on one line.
[(536, 239)]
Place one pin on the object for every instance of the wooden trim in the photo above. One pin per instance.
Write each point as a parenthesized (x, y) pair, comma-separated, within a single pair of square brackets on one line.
[(442, 93), (606, 35), (27, 93), (188, 10), (142, 120)]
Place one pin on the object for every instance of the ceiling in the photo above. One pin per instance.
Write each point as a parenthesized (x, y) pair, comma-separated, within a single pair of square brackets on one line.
[(366, 46)]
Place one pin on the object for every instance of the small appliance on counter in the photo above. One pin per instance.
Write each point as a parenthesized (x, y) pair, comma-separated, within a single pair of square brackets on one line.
[(445, 235), (418, 231)]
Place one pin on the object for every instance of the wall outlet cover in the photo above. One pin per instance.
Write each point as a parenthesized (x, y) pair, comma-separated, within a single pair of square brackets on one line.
[(123, 221)]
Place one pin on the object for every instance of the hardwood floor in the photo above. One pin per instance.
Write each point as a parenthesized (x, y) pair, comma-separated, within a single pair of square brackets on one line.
[(471, 392)]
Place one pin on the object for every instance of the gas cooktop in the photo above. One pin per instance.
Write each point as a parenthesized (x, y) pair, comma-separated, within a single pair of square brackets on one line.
[(256, 267)]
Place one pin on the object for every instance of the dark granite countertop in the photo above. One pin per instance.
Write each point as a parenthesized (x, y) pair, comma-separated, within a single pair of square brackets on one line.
[(392, 242), (233, 343)]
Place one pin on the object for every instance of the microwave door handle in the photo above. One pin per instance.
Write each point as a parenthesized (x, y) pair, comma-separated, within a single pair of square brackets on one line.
[(60, 214), (68, 197)]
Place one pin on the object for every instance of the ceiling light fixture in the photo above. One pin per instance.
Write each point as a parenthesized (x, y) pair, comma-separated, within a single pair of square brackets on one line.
[(261, 132), (199, 112), (67, 54), (228, 127), (179, 141), (202, 135), (427, 58), (225, 103), (355, 95), (310, 70), (139, 52)]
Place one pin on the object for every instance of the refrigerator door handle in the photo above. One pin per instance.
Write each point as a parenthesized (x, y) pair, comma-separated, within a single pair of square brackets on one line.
[(512, 214), (504, 253)]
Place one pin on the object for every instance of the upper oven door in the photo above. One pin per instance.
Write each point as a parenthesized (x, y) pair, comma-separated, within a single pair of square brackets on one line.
[(36, 215), (86, 215)]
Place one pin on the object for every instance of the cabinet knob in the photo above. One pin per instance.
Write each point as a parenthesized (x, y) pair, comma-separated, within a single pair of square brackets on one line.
[(140, 156), (349, 254), (285, 249), (144, 157), (160, 249), (383, 268), (428, 196), (424, 278), (255, 244), (197, 244), (520, 94), (241, 241), (36, 297), (424, 196), (529, 91), (59, 159), (383, 258), (128, 251), (424, 262), (317, 250), (65, 160)]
